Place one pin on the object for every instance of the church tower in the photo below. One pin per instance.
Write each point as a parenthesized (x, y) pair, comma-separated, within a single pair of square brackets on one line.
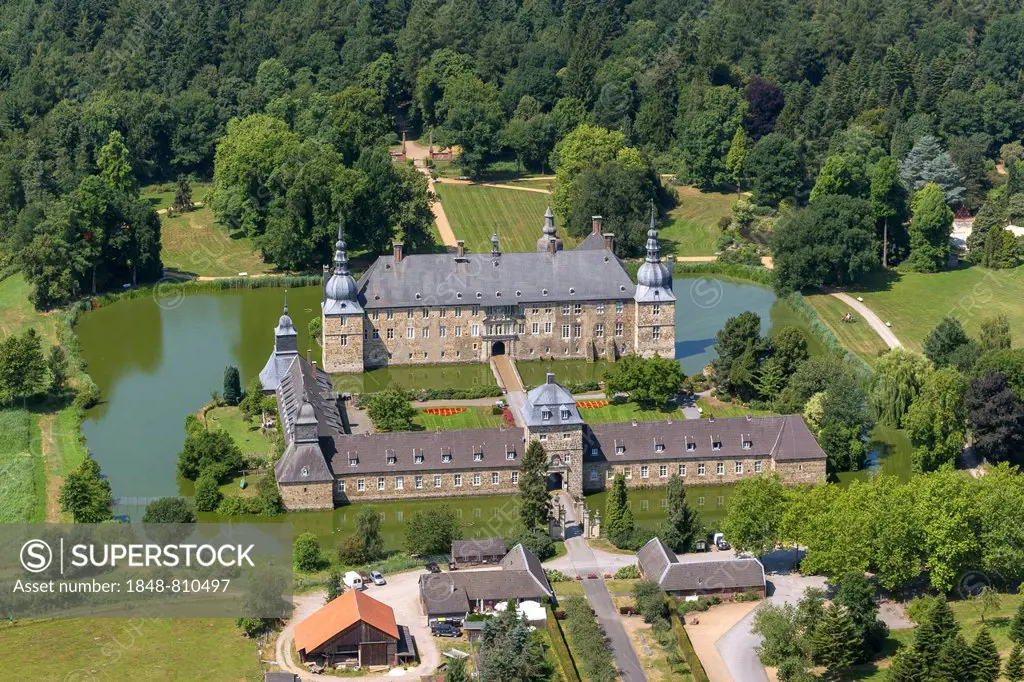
[(342, 316), (655, 330)]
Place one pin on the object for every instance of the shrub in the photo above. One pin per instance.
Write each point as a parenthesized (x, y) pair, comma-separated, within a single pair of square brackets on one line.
[(350, 550), (537, 540), (307, 553), (589, 644), (630, 572), (207, 495), (556, 576), (650, 601), (749, 595)]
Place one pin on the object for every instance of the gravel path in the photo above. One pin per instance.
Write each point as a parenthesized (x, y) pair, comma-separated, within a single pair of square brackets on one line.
[(872, 319)]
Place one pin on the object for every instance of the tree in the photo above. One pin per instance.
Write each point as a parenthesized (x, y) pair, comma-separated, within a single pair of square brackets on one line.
[(650, 601), (928, 163), (930, 227), (335, 586), (390, 410), (943, 341), (22, 367), (683, 525), (830, 242), (169, 510), (857, 596), (534, 501), (888, 199), (754, 514), (835, 641), (183, 194), (232, 385), (1017, 626), (307, 553), (936, 421), (988, 599), (907, 666), (995, 333), (57, 364), (936, 627), (789, 348), (736, 159), (765, 102), (509, 651), (586, 147), (651, 382), (775, 169), (1014, 670), (207, 493), (618, 517), (368, 531), (85, 495), (782, 636), (432, 532), (212, 452), (895, 383), (471, 117), (996, 417), (707, 124), (950, 664), (457, 671), (842, 174)]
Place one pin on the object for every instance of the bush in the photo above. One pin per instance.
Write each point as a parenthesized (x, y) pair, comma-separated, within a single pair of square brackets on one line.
[(537, 540), (307, 553), (169, 510), (630, 572), (207, 495), (88, 394), (650, 601), (556, 576), (350, 551), (749, 595), (589, 644), (267, 501)]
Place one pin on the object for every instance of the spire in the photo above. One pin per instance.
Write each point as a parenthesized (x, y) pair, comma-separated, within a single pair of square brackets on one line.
[(544, 243), (495, 246), (340, 294), (285, 301), (653, 249), (340, 254), (549, 222)]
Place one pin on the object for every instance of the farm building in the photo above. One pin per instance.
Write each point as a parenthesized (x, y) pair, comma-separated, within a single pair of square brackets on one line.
[(725, 578), (354, 629), (478, 551)]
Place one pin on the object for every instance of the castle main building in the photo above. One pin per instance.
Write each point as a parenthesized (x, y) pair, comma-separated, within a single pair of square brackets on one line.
[(466, 307)]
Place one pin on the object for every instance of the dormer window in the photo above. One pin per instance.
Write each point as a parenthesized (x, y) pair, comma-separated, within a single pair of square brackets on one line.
[(620, 449), (716, 445), (565, 413), (446, 458), (478, 456), (659, 448), (545, 415), (691, 447), (510, 454), (353, 461), (747, 444), (418, 458), (305, 471), (392, 460), (595, 452)]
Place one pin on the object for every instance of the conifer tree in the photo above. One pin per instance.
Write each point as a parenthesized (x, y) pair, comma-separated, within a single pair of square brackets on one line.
[(907, 666), (984, 658), (618, 516), (1017, 626), (952, 663), (683, 524), (937, 626), (835, 641), (1014, 670), (533, 492)]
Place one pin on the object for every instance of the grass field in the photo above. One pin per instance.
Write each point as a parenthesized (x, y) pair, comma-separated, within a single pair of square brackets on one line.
[(476, 212), (713, 406), (108, 649), (17, 314), (22, 476), (161, 195), (472, 418), (916, 302), (624, 412), (247, 435), (858, 336), (692, 229), (195, 243)]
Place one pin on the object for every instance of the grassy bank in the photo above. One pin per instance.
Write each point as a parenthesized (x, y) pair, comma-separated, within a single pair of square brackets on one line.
[(476, 212), (195, 243), (857, 336), (692, 228), (625, 412), (22, 475)]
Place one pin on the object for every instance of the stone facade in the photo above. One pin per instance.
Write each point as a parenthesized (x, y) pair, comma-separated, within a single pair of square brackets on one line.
[(343, 343), (497, 481), (654, 472), (805, 472), (306, 496), (564, 447), (656, 329)]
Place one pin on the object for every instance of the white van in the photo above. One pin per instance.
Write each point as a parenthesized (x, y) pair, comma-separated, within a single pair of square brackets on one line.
[(354, 581)]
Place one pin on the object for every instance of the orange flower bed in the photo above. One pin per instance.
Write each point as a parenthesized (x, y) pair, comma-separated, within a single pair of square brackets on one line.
[(444, 411), (591, 404)]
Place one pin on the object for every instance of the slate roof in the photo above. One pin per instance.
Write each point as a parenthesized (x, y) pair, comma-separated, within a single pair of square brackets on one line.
[(660, 564), (303, 381), (481, 279), (352, 607), (372, 451), (593, 242), (520, 577), (302, 463), (784, 438), (521, 559), (276, 367), (550, 399), (478, 547)]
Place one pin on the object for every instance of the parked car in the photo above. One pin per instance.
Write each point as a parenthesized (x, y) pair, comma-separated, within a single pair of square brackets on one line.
[(367, 578), (377, 578), (720, 543), (445, 630), (433, 567), (354, 581), (452, 566)]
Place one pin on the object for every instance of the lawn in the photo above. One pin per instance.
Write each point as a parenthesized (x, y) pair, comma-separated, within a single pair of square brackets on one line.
[(107, 649), (542, 182), (624, 412), (196, 243), (857, 336), (468, 418), (692, 228), (714, 407), (246, 434), (916, 302), (22, 475), (161, 195), (571, 588), (17, 314), (476, 212)]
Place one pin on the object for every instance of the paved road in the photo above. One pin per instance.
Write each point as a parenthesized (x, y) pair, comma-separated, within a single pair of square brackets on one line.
[(872, 319)]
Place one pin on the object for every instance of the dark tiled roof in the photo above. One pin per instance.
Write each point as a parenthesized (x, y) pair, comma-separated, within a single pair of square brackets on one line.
[(593, 242), (372, 451), (654, 559), (304, 381), (439, 279), (521, 559), (441, 594), (302, 463), (553, 399), (734, 574), (276, 367), (783, 438), (520, 577), (479, 547)]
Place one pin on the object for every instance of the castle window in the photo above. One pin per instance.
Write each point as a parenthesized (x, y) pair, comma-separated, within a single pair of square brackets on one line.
[(426, 356), (618, 306), (478, 456), (542, 437), (458, 353), (535, 328), (458, 311), (565, 413), (656, 309), (565, 331), (458, 330), (443, 331), (445, 458), (716, 445), (419, 482), (599, 308), (380, 483), (565, 309), (458, 480), (510, 454), (645, 471), (390, 314), (655, 332), (545, 415), (577, 309), (515, 478), (522, 328), (399, 482), (476, 310), (566, 436), (494, 478), (376, 333), (442, 312), (391, 334), (620, 449), (342, 320), (343, 340), (425, 333), (375, 315), (475, 330), (739, 467), (609, 474), (408, 313), (691, 447), (437, 480), (353, 461), (701, 469), (476, 479), (757, 466), (341, 485), (628, 472), (599, 330), (595, 475), (360, 484), (660, 447), (720, 469), (425, 313), (577, 329), (418, 458), (410, 332), (747, 444), (547, 349), (682, 470), (618, 329), (547, 329)]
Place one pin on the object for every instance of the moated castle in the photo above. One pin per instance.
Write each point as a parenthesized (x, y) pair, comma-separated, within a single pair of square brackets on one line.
[(551, 304)]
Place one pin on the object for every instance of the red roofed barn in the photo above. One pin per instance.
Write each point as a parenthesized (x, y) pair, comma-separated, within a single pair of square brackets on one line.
[(352, 628)]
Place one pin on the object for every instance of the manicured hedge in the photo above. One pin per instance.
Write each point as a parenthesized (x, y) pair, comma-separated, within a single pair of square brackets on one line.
[(561, 648), (686, 647), (589, 643)]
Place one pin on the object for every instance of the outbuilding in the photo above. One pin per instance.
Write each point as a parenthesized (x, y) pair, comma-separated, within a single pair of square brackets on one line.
[(725, 579), (478, 551), (355, 629)]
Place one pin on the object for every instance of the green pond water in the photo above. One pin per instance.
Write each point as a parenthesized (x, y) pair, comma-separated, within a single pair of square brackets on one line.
[(157, 360)]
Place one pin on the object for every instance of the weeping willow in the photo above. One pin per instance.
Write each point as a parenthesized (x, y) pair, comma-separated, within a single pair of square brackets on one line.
[(898, 377)]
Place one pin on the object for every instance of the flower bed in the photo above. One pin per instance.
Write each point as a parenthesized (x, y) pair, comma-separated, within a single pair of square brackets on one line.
[(591, 404), (444, 411)]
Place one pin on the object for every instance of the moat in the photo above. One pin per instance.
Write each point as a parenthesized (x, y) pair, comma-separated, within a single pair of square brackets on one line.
[(156, 361)]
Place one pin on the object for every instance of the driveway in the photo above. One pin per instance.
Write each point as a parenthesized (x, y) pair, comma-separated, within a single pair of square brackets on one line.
[(401, 594), (872, 319)]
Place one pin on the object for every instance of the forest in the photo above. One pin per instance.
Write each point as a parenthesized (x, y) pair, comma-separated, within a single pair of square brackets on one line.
[(830, 114)]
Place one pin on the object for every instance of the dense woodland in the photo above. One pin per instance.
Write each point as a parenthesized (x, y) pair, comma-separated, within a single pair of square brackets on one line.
[(796, 101)]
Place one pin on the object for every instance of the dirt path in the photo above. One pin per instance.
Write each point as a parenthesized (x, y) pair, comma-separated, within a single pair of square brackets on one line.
[(498, 185), (712, 625), (872, 319), (440, 217), (198, 204), (54, 481)]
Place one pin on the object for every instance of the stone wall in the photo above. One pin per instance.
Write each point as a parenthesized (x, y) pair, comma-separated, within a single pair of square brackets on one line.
[(305, 496), (564, 448), (346, 487), (656, 320), (596, 475), (342, 343), (802, 472)]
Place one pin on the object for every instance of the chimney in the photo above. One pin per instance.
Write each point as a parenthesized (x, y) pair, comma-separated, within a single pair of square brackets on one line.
[(327, 276), (495, 246), (550, 378), (460, 249), (595, 224), (609, 241), (309, 355), (552, 247), (398, 252)]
